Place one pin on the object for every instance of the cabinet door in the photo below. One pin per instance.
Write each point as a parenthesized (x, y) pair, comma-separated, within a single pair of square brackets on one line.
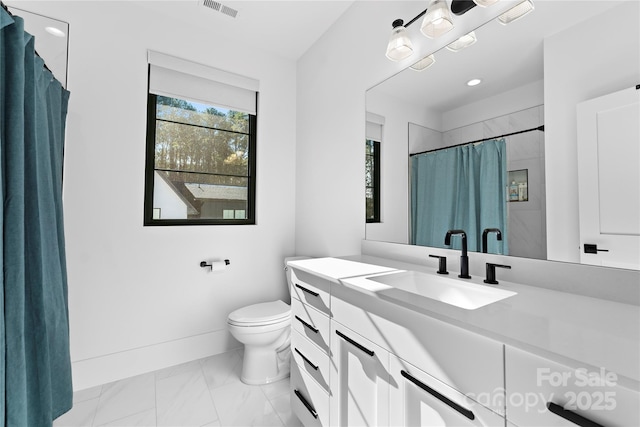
[(541, 392), (418, 399), (359, 380)]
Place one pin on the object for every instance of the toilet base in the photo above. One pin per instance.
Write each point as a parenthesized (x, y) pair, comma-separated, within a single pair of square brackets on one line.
[(264, 365), (254, 381)]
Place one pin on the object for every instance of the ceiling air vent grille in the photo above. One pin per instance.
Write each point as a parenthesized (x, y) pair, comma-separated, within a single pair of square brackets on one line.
[(219, 7), (212, 4), (229, 11)]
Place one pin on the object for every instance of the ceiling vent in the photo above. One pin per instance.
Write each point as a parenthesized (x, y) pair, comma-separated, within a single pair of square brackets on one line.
[(219, 7)]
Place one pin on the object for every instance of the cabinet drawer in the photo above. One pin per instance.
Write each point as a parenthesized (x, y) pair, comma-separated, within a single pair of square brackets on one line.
[(311, 290), (310, 359), (309, 401), (359, 380), (418, 399), (468, 362), (310, 323), (541, 391)]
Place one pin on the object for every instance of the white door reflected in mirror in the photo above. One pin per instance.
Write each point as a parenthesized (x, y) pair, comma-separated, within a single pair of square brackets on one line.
[(609, 179)]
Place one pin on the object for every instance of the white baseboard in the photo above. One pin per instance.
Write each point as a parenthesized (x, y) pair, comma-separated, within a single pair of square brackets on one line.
[(116, 366)]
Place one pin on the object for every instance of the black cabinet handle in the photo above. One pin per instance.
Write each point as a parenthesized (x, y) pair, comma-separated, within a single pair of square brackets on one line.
[(464, 411), (309, 291), (571, 416), (306, 404), (306, 360), (350, 341), (307, 325)]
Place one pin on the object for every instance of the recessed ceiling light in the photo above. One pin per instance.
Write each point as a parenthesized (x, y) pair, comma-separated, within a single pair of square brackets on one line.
[(54, 31), (474, 82)]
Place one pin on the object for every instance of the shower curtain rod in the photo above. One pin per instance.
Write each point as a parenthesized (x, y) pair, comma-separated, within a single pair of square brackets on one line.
[(4, 6), (540, 128)]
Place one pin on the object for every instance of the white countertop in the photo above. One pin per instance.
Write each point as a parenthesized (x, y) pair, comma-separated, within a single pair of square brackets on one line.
[(557, 325), (334, 269)]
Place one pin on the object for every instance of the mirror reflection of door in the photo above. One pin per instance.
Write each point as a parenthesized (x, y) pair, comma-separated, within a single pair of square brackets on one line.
[(609, 177)]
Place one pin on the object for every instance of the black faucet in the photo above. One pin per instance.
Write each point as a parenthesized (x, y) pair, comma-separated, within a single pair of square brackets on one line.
[(442, 264), (464, 259), (484, 237), (491, 273)]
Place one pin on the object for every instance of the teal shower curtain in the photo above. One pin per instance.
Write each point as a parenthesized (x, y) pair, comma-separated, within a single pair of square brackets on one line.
[(35, 367), (463, 188)]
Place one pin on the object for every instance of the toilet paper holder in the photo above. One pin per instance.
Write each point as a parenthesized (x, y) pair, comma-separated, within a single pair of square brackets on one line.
[(204, 264)]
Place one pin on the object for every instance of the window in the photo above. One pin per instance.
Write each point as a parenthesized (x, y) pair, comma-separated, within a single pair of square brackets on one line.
[(372, 180), (200, 158), (374, 131)]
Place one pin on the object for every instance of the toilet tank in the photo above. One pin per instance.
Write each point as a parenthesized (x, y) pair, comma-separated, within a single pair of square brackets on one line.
[(287, 270)]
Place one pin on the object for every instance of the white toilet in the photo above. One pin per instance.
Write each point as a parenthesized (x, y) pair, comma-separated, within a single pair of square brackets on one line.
[(265, 331)]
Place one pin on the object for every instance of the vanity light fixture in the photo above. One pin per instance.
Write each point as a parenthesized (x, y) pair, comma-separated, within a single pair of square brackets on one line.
[(55, 31), (424, 63), (474, 82), (464, 41), (437, 21), (400, 46), (516, 12)]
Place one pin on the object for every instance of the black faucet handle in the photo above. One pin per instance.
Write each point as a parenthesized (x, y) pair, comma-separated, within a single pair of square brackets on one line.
[(491, 273), (442, 264)]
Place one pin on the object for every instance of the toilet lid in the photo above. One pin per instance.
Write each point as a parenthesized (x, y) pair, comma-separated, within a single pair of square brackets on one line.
[(262, 313)]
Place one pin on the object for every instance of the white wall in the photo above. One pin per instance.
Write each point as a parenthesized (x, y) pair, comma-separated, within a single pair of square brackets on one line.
[(138, 299), (502, 104), (588, 60)]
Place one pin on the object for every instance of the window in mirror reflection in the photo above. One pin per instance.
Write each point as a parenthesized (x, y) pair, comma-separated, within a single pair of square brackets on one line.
[(372, 180)]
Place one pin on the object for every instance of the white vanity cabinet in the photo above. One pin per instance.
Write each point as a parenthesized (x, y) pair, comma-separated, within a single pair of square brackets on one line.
[(469, 363), (310, 340), (391, 366), (361, 359), (418, 399), (359, 380), (541, 392)]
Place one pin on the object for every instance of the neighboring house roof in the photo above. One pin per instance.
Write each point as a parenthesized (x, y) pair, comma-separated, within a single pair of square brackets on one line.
[(191, 210), (217, 192)]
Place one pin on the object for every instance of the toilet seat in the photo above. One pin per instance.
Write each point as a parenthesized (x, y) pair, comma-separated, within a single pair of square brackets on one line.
[(266, 313)]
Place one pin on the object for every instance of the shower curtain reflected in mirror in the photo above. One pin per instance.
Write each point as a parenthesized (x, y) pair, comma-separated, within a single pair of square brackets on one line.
[(462, 187), (35, 380)]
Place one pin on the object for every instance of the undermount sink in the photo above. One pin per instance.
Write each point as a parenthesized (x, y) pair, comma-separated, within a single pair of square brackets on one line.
[(463, 294)]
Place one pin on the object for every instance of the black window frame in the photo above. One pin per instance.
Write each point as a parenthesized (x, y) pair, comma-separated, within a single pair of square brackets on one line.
[(250, 218), (375, 218)]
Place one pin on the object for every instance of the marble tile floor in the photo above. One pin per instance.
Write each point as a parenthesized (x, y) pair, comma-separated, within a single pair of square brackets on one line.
[(206, 392)]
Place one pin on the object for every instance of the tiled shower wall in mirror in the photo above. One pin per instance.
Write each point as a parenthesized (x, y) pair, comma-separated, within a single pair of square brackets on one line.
[(527, 219)]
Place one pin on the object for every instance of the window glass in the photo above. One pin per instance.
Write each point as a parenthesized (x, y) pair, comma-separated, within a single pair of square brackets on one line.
[(372, 180), (200, 163)]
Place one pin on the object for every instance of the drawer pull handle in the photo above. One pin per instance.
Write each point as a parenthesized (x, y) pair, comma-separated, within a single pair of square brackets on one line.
[(306, 404), (305, 359), (307, 325), (464, 411), (309, 291), (571, 416), (350, 341)]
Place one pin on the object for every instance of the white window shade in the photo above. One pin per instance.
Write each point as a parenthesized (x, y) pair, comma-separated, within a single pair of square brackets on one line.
[(374, 126), (177, 78)]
